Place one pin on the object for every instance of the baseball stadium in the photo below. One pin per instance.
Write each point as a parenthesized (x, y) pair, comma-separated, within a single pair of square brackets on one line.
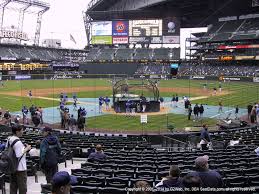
[(160, 86)]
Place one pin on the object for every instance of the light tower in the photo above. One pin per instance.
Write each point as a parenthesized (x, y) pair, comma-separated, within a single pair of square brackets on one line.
[(25, 5)]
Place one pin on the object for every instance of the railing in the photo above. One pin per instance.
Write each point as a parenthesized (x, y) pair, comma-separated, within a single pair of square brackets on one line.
[(172, 144)]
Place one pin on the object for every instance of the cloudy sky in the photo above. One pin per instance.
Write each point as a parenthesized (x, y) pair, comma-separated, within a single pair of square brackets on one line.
[(64, 17)]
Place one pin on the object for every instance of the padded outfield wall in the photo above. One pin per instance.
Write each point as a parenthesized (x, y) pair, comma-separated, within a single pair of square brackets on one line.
[(109, 68)]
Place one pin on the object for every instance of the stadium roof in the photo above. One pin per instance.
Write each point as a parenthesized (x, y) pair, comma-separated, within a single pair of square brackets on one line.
[(193, 13)]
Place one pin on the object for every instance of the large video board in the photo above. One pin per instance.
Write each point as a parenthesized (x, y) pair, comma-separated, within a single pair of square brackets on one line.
[(145, 27), (150, 31), (102, 28), (101, 39), (120, 28)]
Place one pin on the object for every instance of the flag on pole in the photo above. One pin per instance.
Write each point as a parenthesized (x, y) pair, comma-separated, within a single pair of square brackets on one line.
[(72, 39)]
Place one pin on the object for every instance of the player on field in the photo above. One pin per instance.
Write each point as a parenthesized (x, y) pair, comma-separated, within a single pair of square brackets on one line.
[(30, 95)]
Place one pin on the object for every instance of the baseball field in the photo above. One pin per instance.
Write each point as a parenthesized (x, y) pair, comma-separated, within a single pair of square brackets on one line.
[(14, 94)]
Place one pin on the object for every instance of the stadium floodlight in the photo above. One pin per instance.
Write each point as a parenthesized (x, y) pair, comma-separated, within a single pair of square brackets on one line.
[(43, 7)]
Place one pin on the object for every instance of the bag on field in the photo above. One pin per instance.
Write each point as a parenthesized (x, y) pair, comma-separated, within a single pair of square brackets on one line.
[(8, 160)]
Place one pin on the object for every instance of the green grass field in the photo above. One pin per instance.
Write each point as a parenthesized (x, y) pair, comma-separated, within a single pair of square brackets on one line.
[(157, 123), (239, 93)]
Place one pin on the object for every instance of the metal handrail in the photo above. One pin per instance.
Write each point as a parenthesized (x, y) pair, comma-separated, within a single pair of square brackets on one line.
[(176, 140)]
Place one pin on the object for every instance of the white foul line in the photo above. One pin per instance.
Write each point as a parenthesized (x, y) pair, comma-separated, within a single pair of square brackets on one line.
[(220, 114)]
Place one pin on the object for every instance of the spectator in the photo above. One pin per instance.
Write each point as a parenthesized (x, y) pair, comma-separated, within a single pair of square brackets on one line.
[(50, 152), (25, 112), (205, 137), (18, 180), (253, 115), (173, 180), (142, 187), (79, 113), (7, 117), (32, 110), (249, 110), (61, 182), (40, 109), (36, 119), (90, 150), (17, 119), (209, 178), (81, 123), (196, 111), (201, 110), (190, 181), (98, 155), (72, 123), (189, 112)]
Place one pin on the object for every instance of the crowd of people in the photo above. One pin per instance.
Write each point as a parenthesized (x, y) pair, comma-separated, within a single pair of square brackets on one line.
[(68, 120), (32, 115), (197, 110), (50, 154), (205, 69), (49, 157)]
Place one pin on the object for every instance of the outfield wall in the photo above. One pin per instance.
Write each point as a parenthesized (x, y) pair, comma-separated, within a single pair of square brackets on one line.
[(109, 68)]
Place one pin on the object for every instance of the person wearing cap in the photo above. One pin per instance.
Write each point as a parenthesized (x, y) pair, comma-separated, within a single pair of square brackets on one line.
[(18, 180), (98, 155), (209, 178), (205, 137), (50, 152), (61, 182)]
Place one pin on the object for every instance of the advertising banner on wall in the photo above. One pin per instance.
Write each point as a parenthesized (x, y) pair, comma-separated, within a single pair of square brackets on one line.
[(120, 40), (102, 28), (171, 39), (156, 40), (120, 28), (139, 40), (101, 39), (145, 27), (245, 57), (171, 26)]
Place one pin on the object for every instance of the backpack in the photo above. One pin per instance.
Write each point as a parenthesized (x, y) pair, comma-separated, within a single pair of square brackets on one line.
[(8, 160), (52, 156)]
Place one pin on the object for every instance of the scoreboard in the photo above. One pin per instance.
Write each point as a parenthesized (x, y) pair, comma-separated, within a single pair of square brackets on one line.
[(145, 27), (145, 31)]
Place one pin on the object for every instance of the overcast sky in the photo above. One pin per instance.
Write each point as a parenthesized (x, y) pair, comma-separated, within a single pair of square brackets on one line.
[(65, 17)]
